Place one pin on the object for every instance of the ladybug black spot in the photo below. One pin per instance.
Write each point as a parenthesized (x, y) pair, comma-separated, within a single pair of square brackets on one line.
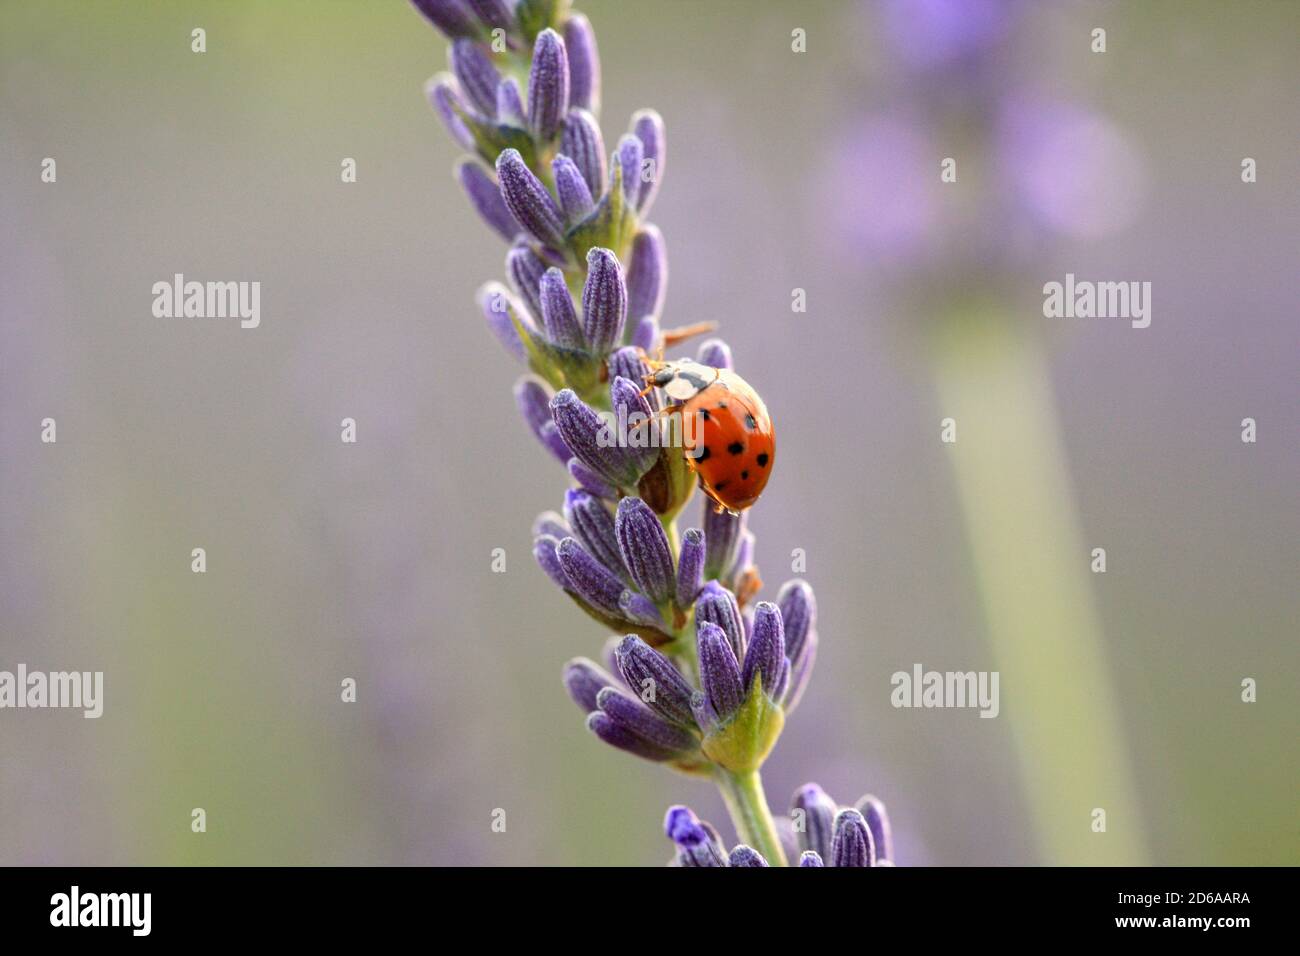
[(744, 475), (719, 486), (750, 423), (722, 405), (762, 460), (704, 413), (736, 447), (704, 454)]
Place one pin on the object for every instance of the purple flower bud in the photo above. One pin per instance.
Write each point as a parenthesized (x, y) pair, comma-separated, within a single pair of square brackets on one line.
[(494, 13), (648, 126), (716, 605), (616, 735), (589, 481), (629, 713), (584, 680), (744, 556), (589, 579), (644, 547), (485, 196), (534, 405), (548, 85), (798, 615), (745, 856), (494, 300), (476, 75), (655, 679), (647, 273), (715, 353), (604, 301), (452, 17), (581, 141), (525, 270), (444, 98), (697, 842), (809, 858), (719, 671), (585, 432), (631, 406), (575, 197), (510, 106), (550, 522), (528, 199), (584, 63), (722, 532), (851, 845), (765, 655), (646, 333), (690, 567), (800, 672), (544, 550), (813, 813), (593, 526), (559, 318), (882, 837), (627, 363), (639, 609), (629, 155)]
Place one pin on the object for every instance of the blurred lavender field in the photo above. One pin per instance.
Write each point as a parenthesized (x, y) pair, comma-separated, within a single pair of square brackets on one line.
[(817, 171)]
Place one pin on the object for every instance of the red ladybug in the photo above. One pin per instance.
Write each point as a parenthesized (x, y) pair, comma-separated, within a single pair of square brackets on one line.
[(734, 454)]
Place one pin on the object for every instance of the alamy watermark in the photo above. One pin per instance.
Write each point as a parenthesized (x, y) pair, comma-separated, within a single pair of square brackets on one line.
[(1083, 299), (83, 690), (179, 299), (636, 429), (922, 688)]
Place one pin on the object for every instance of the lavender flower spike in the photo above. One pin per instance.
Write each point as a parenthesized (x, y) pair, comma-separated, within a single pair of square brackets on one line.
[(644, 546), (647, 273), (575, 196), (581, 141), (765, 656), (604, 301), (589, 579), (851, 845), (584, 680), (452, 17), (548, 85), (697, 842), (655, 679), (485, 196), (719, 675), (558, 315), (528, 199), (716, 605), (584, 63), (690, 567), (813, 812), (476, 75), (648, 127), (882, 837), (746, 856)]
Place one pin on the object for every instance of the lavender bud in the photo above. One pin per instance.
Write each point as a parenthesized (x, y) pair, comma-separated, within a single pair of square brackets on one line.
[(548, 85), (882, 837), (715, 353), (798, 615), (851, 845), (800, 672), (494, 13), (765, 656), (586, 433), (809, 858), (628, 713), (629, 155), (631, 406), (559, 318), (639, 609), (655, 679), (494, 300), (817, 811), (627, 363), (445, 99), (644, 546), (525, 270), (588, 578), (647, 273), (744, 556), (534, 405), (575, 197), (485, 196), (544, 550), (476, 75), (745, 856), (581, 141), (510, 107), (584, 63), (646, 333), (584, 680), (648, 126), (528, 199), (697, 842), (452, 17), (719, 671), (690, 567), (589, 481), (716, 605), (616, 735), (722, 532), (604, 301), (550, 522), (594, 528)]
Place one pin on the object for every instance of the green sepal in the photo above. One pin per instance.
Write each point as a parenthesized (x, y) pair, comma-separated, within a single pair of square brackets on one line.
[(743, 743), (612, 224), (534, 16)]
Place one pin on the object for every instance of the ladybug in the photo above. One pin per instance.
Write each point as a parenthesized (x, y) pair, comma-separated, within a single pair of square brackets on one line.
[(734, 450)]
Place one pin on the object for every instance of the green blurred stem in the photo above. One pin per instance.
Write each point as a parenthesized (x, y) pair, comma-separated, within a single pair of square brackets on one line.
[(1032, 567), (747, 804)]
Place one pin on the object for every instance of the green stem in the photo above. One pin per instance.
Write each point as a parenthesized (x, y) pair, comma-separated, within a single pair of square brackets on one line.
[(743, 795)]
